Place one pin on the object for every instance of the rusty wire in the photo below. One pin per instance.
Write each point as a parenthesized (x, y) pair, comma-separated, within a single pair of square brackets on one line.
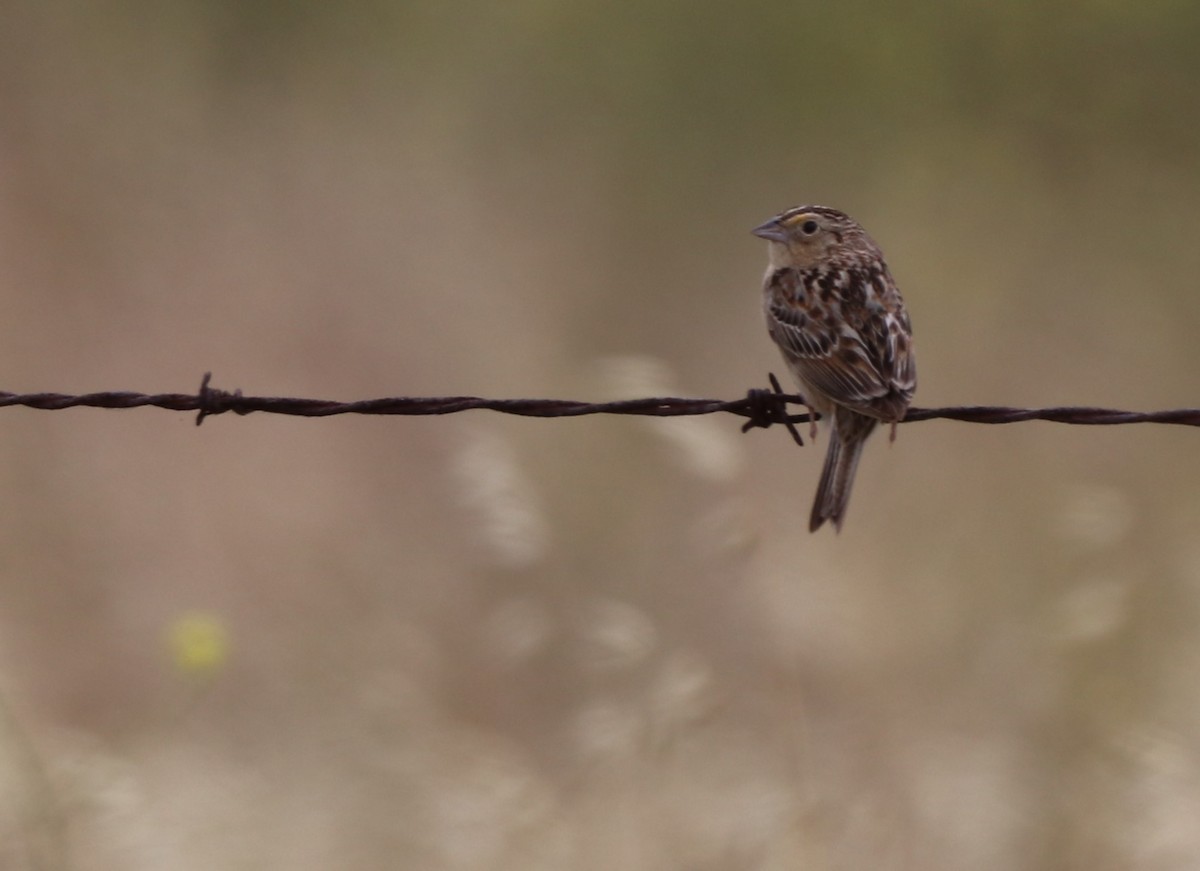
[(761, 407)]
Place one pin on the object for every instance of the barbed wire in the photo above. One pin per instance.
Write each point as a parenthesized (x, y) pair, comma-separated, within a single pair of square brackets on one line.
[(761, 407)]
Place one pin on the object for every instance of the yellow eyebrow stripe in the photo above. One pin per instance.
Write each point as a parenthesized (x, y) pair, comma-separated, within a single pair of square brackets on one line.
[(791, 220)]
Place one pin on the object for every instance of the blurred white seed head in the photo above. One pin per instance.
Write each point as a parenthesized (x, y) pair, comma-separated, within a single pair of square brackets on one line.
[(704, 445), (483, 801), (1160, 801), (1093, 516), (615, 635), (683, 691), (607, 729), (1092, 610), (725, 528), (518, 629), (492, 483)]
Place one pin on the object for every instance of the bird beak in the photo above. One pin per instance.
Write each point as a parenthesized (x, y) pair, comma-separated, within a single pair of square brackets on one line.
[(772, 231)]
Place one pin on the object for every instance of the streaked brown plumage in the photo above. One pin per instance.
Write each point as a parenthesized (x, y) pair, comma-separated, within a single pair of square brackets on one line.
[(835, 313)]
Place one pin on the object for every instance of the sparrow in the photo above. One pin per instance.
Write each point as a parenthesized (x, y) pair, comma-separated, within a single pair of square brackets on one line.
[(837, 317)]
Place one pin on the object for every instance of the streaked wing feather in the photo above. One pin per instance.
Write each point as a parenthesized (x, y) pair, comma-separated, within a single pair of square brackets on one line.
[(837, 364), (900, 355), (855, 386), (795, 332), (864, 360)]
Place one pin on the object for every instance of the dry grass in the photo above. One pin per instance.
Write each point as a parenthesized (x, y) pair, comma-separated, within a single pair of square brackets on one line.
[(481, 643)]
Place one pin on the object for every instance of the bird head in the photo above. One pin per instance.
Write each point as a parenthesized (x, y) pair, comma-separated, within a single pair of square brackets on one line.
[(807, 236)]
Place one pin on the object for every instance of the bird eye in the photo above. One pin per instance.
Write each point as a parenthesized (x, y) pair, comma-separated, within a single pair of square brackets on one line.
[(809, 227)]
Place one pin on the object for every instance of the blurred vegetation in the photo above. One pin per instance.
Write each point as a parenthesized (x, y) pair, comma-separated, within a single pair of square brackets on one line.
[(477, 643)]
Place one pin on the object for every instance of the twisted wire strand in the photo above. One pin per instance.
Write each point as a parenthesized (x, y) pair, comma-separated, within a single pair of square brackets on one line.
[(761, 407)]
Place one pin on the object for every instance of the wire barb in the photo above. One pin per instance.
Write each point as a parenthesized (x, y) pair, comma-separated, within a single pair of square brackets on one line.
[(768, 407), (213, 401), (762, 408)]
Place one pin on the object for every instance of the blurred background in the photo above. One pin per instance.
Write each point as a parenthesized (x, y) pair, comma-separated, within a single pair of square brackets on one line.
[(476, 642)]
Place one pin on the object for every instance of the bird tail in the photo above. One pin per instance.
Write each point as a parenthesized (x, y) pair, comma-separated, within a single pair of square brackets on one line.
[(846, 439)]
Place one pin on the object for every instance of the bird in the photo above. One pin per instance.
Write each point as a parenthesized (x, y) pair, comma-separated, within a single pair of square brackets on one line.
[(836, 315)]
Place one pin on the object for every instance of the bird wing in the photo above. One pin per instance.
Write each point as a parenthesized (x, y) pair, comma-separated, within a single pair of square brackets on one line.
[(833, 360), (864, 364)]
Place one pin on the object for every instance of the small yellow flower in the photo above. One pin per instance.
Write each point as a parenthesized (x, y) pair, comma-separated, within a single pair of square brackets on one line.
[(199, 643)]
